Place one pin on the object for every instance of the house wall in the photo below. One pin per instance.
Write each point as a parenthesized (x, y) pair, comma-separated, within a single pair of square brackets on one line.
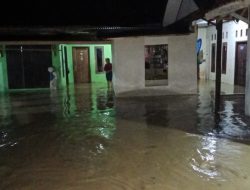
[(4, 87), (129, 68), (3, 72), (57, 64), (229, 36), (204, 72), (95, 77), (58, 58)]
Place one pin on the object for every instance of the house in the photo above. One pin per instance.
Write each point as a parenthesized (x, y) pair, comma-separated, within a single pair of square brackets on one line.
[(133, 43), (234, 51), (124, 36)]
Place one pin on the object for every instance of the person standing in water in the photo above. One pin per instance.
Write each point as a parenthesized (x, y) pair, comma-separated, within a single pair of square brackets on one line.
[(109, 73)]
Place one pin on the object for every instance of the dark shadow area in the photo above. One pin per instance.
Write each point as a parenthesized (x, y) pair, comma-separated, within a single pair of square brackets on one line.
[(188, 114), (28, 66)]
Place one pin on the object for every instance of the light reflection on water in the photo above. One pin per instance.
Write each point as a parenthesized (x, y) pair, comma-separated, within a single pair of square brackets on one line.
[(84, 137), (206, 165), (219, 160), (232, 123)]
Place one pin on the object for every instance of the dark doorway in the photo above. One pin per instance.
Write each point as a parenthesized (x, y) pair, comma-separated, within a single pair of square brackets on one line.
[(28, 66), (15, 67), (81, 65), (240, 63)]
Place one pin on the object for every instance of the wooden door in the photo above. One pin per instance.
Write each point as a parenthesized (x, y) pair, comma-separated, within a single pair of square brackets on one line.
[(240, 64), (81, 65)]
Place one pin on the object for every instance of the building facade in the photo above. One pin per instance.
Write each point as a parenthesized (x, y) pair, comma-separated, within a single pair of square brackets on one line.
[(144, 65), (234, 49), (26, 66), (130, 68)]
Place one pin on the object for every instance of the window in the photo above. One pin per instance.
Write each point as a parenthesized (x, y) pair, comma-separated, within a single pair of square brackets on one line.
[(236, 34), (99, 58), (212, 37), (246, 32), (226, 35), (241, 33), (215, 37), (213, 53), (156, 65), (223, 35), (224, 58)]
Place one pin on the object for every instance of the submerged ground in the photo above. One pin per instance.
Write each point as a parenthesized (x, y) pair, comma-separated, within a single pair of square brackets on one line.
[(85, 138)]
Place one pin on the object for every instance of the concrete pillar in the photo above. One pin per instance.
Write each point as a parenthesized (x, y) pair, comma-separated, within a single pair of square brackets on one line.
[(247, 90)]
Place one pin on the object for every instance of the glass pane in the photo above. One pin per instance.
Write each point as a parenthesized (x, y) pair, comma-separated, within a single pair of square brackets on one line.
[(156, 63)]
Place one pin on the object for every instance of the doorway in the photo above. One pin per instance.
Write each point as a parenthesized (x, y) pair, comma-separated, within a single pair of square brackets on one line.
[(240, 64), (81, 65), (28, 66)]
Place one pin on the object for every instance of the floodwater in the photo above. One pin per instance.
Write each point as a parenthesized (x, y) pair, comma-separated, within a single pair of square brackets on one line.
[(84, 138)]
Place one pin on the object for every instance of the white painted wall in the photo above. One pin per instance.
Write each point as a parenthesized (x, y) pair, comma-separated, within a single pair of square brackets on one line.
[(204, 72), (129, 65), (230, 29)]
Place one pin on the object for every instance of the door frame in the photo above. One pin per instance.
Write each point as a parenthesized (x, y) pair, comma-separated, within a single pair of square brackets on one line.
[(236, 57), (73, 57)]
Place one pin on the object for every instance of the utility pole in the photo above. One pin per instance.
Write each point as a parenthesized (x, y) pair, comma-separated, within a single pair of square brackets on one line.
[(219, 24)]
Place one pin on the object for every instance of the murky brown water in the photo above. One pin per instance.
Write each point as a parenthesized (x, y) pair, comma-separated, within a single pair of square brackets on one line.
[(84, 138)]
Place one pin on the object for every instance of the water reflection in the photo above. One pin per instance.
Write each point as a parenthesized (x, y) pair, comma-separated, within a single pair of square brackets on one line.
[(110, 99), (234, 124), (156, 114), (83, 137), (205, 163), (84, 119), (230, 122), (67, 105), (68, 102), (5, 110)]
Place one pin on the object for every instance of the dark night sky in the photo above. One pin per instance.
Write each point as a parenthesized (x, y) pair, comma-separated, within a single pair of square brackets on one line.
[(85, 12), (20, 17)]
